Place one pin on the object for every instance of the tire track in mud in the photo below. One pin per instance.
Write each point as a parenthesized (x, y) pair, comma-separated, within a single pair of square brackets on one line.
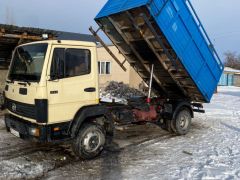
[(21, 152), (27, 150), (11, 151), (63, 151), (12, 147), (107, 152), (150, 141), (131, 147)]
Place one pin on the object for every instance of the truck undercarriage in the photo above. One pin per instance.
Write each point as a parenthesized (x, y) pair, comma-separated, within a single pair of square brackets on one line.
[(137, 111)]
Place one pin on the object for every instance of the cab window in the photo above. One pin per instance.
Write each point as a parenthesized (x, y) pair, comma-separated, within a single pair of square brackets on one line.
[(71, 62), (77, 62)]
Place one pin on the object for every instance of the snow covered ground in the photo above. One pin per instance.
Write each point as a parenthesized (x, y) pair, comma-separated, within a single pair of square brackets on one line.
[(210, 151)]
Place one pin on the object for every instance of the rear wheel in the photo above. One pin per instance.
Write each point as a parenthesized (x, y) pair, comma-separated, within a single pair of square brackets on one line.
[(182, 122), (90, 141)]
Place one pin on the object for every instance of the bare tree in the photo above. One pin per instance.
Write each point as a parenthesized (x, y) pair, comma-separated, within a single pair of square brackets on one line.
[(232, 60)]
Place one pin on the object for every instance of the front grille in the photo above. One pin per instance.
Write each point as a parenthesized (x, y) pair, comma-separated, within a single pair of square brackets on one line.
[(22, 109)]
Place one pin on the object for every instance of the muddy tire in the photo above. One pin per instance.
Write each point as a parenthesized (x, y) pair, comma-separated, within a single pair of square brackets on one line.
[(182, 122), (165, 124), (90, 141)]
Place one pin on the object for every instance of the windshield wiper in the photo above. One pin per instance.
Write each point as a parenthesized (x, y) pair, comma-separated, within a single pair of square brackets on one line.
[(18, 77), (24, 83), (10, 81)]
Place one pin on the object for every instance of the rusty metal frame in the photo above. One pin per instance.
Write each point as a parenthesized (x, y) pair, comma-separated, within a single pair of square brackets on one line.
[(135, 52), (23, 36), (107, 48), (10, 38)]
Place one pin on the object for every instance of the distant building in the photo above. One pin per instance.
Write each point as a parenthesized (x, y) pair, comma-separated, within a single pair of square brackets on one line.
[(230, 77), (109, 70), (237, 79)]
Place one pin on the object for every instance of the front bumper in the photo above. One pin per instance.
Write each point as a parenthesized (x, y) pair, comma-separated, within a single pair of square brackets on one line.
[(47, 133)]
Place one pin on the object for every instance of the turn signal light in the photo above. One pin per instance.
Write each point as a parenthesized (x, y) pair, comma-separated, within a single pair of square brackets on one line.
[(56, 129)]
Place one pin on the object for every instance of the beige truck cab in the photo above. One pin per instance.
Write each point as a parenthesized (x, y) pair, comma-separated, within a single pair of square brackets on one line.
[(51, 88)]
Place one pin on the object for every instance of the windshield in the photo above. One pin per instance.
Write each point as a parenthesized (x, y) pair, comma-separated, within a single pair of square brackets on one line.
[(28, 62)]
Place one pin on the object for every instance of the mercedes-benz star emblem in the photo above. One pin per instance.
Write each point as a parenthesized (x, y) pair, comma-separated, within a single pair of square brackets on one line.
[(14, 107)]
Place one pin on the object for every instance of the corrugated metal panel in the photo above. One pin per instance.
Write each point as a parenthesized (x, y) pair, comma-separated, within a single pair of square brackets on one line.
[(184, 32), (227, 79), (230, 80), (186, 38)]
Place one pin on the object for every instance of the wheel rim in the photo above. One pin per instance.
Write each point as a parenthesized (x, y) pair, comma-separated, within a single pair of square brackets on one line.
[(92, 141), (184, 120)]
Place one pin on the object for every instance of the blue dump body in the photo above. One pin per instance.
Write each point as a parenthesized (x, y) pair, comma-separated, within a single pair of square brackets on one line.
[(168, 34)]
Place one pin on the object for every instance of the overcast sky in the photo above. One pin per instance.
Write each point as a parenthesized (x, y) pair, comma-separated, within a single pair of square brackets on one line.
[(221, 18)]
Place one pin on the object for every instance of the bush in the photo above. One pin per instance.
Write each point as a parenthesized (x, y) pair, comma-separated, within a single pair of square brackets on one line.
[(232, 60)]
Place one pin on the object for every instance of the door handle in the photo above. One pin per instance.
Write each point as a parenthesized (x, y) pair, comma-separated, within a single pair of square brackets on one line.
[(90, 89), (54, 92)]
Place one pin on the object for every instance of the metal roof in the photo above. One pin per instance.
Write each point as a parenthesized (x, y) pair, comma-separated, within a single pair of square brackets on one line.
[(231, 70)]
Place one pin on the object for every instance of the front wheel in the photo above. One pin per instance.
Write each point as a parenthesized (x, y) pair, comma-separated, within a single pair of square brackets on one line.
[(182, 122), (90, 141)]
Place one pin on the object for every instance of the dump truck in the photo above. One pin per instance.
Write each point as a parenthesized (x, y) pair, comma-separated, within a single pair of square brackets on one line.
[(52, 93)]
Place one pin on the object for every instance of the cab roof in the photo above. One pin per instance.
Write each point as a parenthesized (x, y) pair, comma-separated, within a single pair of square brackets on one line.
[(64, 42)]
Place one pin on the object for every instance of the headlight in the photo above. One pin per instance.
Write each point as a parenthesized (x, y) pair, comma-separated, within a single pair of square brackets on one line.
[(34, 132)]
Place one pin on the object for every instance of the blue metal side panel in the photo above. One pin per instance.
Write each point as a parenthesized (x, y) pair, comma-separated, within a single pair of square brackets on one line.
[(184, 31), (184, 34), (115, 6)]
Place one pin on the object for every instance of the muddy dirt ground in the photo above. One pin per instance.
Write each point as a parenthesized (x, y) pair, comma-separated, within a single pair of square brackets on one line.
[(210, 151)]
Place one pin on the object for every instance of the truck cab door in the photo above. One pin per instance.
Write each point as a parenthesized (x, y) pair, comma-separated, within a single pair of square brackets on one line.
[(76, 84)]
